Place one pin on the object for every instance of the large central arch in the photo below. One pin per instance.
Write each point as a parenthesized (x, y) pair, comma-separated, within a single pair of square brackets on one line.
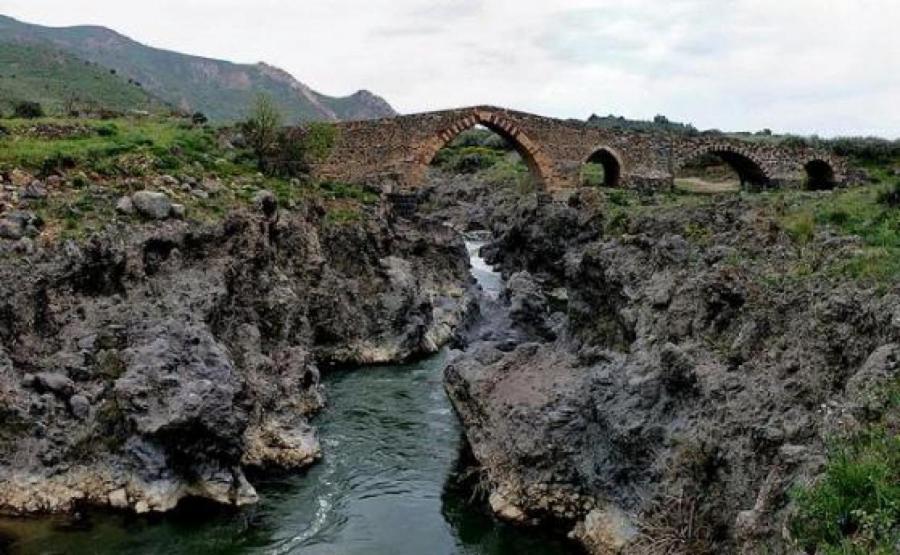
[(538, 164)]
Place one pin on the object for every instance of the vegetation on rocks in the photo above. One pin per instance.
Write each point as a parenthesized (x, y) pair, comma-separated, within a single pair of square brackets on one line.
[(84, 166), (854, 508)]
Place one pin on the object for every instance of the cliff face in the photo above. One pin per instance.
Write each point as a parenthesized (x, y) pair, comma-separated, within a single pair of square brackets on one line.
[(681, 376), (160, 360)]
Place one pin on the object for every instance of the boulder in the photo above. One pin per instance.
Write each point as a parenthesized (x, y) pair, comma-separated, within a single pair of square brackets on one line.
[(20, 178), (505, 509), (179, 385), (125, 205), (606, 530), (152, 204), (54, 382), (211, 186), (35, 190), (178, 211), (11, 229), (168, 181), (80, 406), (528, 305)]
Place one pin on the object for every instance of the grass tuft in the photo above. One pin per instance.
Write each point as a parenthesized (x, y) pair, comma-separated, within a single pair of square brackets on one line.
[(855, 507)]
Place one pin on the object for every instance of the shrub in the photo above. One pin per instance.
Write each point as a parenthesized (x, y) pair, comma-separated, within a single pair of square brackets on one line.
[(593, 174), (318, 140), (261, 128), (467, 159), (890, 196), (28, 109), (199, 118), (801, 227), (298, 149), (480, 137), (793, 141), (107, 130), (867, 149), (855, 507)]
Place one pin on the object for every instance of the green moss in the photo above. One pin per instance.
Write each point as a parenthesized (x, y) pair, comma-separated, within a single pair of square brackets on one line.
[(341, 190), (342, 215)]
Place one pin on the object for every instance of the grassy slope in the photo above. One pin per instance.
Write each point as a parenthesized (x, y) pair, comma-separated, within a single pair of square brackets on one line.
[(117, 157), (224, 91), (44, 74)]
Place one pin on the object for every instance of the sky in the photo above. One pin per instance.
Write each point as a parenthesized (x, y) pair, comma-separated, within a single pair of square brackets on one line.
[(827, 67)]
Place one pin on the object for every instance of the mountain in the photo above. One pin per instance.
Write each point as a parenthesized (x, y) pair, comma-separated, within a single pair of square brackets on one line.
[(222, 90), (60, 81)]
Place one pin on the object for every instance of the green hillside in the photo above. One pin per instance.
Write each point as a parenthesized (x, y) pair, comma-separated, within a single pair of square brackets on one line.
[(60, 81), (222, 90)]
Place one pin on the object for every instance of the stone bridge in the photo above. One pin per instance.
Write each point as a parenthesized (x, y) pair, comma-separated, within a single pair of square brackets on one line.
[(394, 153)]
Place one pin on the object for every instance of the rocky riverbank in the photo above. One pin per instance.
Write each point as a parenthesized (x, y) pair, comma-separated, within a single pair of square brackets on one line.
[(684, 365), (159, 360)]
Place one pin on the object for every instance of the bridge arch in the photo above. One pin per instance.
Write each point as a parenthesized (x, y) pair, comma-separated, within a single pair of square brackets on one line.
[(819, 175), (538, 163), (746, 165), (610, 160)]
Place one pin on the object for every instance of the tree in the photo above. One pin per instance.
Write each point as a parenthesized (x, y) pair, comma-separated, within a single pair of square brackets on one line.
[(300, 148), (28, 109), (261, 129)]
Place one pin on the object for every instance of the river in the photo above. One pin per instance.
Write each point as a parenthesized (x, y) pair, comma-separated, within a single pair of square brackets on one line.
[(388, 484)]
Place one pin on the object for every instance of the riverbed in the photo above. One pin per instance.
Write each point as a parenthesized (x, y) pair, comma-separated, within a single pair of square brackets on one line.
[(390, 483)]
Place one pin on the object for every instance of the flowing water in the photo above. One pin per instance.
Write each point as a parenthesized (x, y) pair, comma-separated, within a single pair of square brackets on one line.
[(387, 485)]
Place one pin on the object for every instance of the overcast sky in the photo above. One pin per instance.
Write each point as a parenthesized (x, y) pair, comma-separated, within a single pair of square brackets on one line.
[(809, 66)]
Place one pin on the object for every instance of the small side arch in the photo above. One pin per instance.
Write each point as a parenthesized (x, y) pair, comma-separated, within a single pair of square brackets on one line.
[(611, 163), (748, 168), (819, 175), (538, 164)]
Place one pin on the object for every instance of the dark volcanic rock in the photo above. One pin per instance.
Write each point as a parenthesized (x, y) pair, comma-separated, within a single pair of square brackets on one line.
[(681, 374), (160, 360)]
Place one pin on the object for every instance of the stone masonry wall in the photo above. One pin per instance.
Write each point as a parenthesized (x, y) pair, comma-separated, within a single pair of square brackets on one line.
[(394, 153)]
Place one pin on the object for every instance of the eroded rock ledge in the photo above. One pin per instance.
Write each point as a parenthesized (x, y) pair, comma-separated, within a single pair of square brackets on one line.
[(679, 378), (159, 361)]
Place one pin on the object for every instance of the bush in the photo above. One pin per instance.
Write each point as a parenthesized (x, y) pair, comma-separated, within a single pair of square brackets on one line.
[(801, 227), (107, 130), (262, 129), (199, 118), (28, 110), (855, 508), (866, 149), (298, 149), (793, 141), (480, 138), (467, 159), (890, 196), (593, 175)]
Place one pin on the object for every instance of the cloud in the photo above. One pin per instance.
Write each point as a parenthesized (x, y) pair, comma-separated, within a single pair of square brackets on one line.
[(810, 66)]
